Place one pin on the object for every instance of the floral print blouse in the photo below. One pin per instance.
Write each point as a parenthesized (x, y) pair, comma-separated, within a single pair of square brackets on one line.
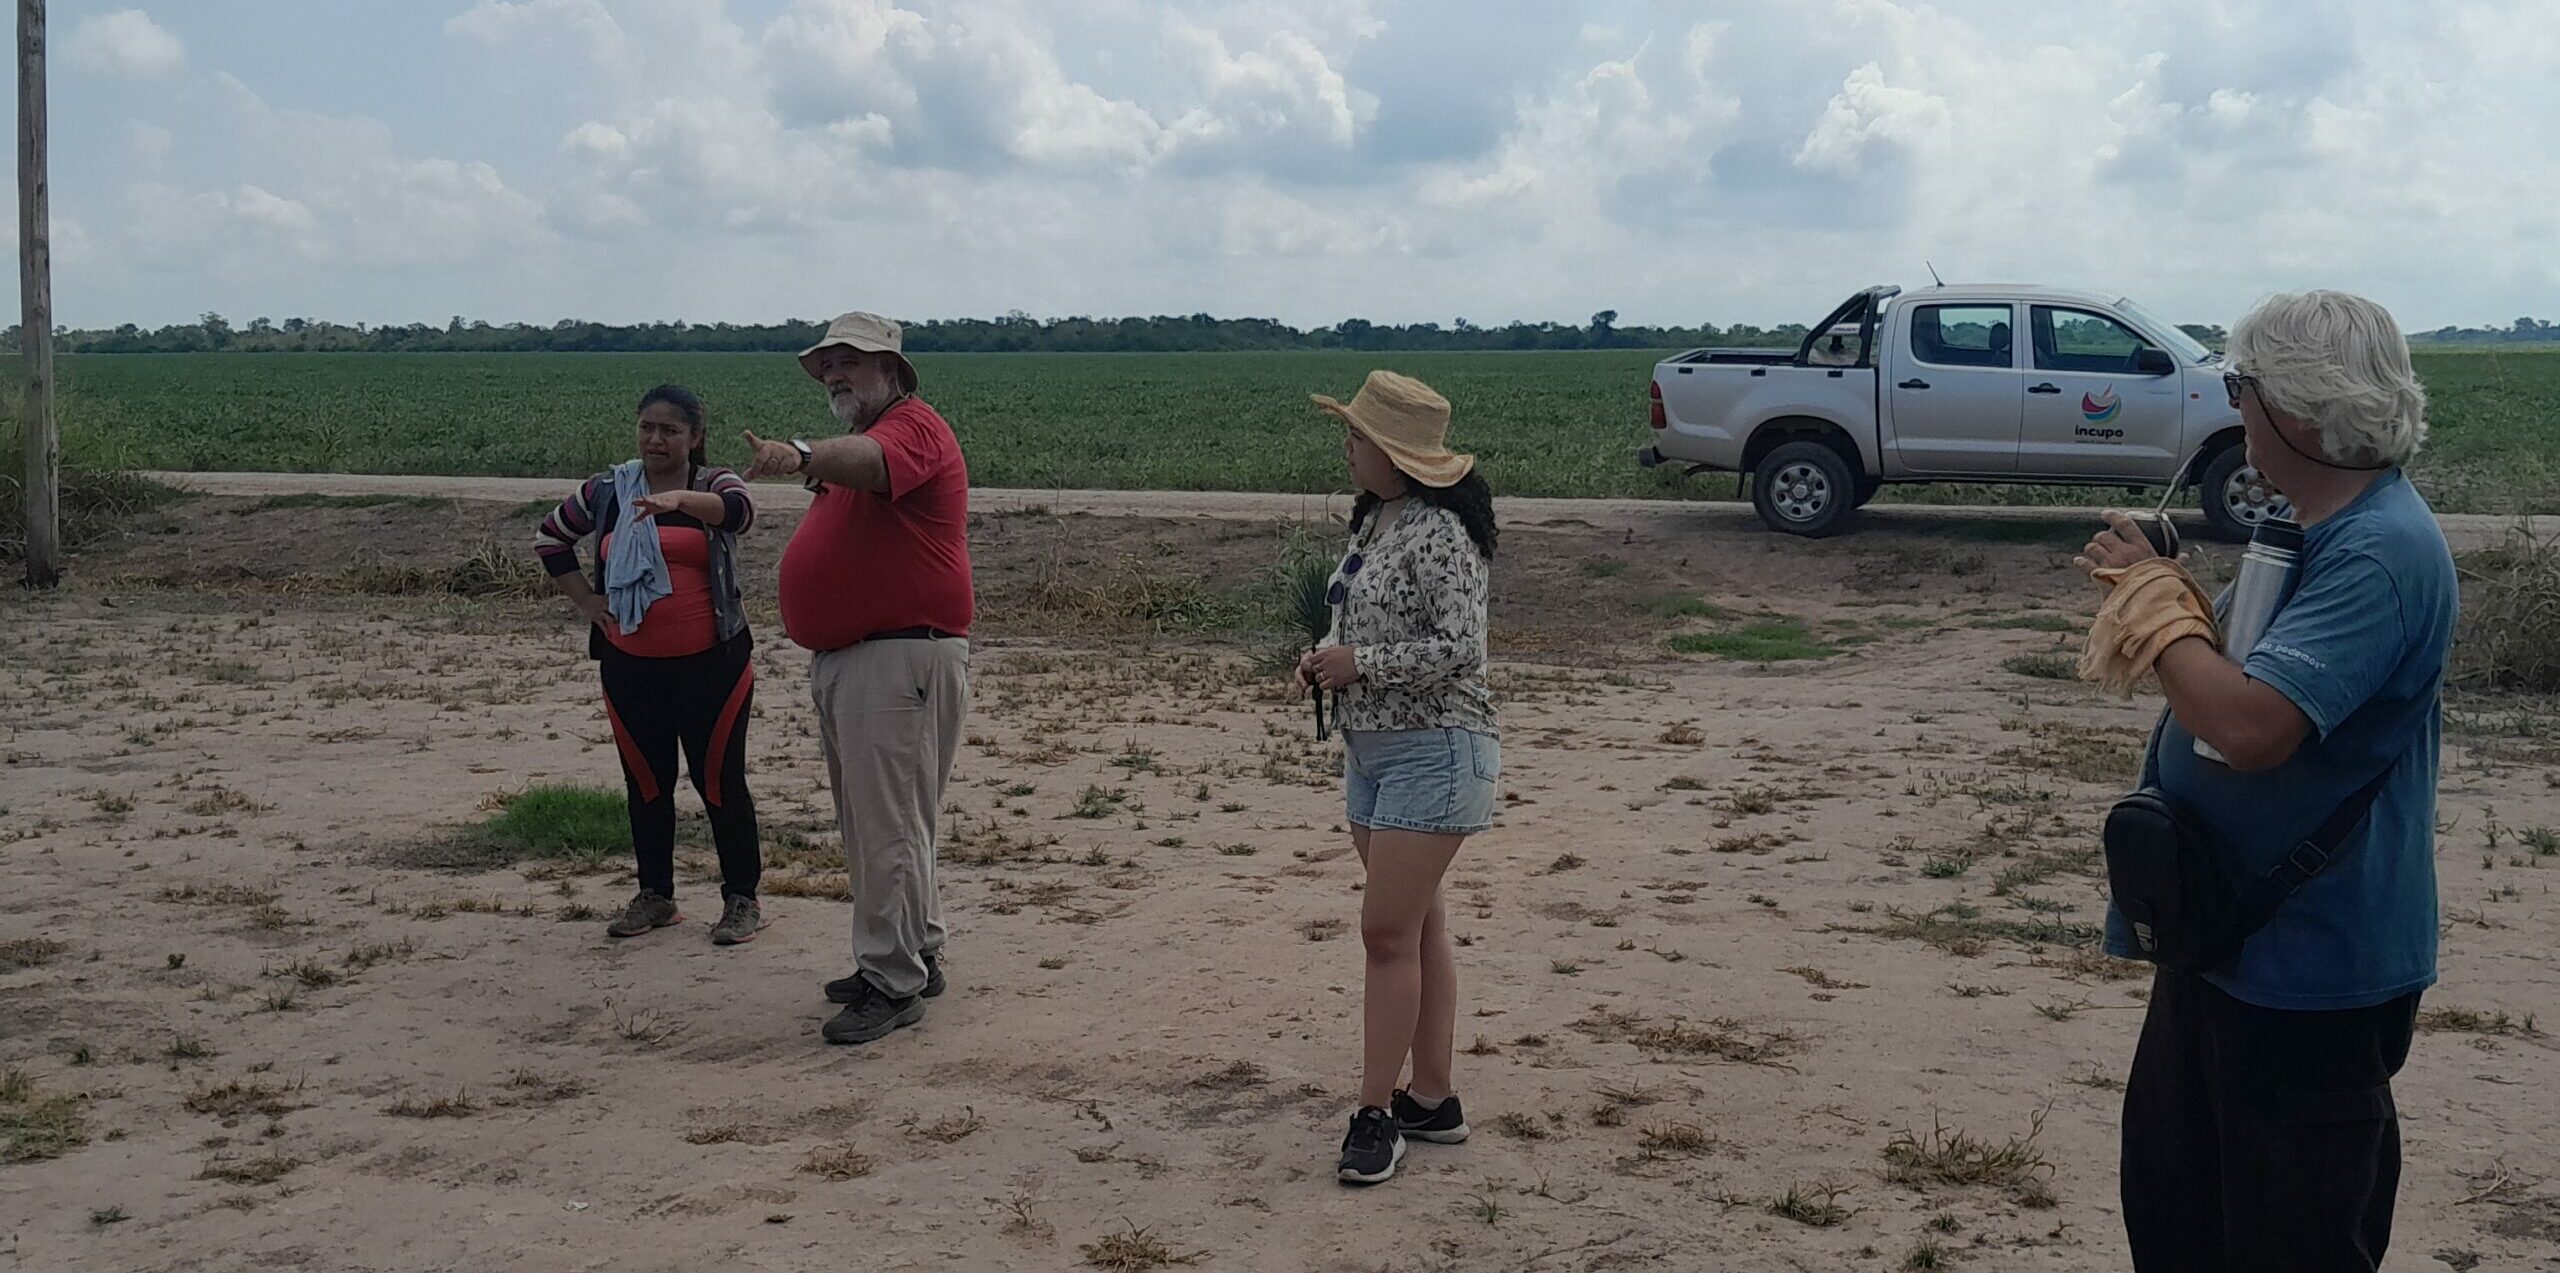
[(1414, 614)]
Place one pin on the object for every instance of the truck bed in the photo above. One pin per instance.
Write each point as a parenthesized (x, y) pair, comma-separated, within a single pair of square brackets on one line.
[(1747, 357)]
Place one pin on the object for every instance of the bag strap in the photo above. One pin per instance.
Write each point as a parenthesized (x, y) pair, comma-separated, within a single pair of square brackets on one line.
[(2314, 854)]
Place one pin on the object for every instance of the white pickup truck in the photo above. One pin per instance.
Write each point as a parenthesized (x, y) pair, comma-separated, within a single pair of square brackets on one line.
[(1937, 386)]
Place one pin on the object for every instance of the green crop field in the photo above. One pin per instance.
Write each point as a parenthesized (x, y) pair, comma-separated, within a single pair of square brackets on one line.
[(1563, 424)]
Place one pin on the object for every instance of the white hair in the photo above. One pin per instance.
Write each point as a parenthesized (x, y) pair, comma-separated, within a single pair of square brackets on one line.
[(2337, 361)]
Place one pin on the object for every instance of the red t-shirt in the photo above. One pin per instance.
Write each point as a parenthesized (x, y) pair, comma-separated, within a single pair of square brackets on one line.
[(863, 562)]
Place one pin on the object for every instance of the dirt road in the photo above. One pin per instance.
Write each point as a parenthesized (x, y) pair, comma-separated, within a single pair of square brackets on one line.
[(1668, 516)]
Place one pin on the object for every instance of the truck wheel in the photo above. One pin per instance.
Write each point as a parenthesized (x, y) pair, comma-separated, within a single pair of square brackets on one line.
[(1803, 488), (2237, 497)]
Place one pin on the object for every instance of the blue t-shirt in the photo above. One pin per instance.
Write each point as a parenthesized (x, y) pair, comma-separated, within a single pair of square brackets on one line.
[(2360, 647)]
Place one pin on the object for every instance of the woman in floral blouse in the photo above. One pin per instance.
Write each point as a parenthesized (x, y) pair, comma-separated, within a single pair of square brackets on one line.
[(1407, 659)]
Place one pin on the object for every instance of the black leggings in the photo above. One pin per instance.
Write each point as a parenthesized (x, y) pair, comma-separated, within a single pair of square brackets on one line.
[(700, 702)]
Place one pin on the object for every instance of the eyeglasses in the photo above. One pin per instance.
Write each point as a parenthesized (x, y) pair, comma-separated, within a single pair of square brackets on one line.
[(1350, 566), (2235, 381)]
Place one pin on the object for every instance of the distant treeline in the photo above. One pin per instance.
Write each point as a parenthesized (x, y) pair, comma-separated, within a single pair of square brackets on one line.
[(1014, 333)]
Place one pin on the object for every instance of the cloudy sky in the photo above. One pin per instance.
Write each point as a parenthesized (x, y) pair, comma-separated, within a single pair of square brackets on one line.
[(1751, 160)]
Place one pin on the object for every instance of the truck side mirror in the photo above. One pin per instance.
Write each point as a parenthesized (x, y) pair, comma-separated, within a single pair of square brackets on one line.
[(2154, 362)]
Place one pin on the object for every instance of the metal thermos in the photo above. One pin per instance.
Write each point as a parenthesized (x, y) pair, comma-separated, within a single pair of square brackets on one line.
[(2267, 573)]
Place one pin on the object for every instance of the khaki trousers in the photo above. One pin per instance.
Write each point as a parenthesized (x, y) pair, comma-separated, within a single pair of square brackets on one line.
[(889, 717)]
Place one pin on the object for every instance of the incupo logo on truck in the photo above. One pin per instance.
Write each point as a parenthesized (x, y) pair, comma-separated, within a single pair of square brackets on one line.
[(2099, 409)]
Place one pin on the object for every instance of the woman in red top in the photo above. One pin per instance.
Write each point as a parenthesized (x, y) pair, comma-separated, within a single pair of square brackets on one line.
[(681, 675)]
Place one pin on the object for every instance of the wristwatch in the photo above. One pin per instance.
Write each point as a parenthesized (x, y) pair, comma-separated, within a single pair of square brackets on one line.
[(806, 457)]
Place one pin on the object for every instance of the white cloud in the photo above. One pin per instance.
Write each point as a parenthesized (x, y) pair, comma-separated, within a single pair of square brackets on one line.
[(268, 211), (330, 190), (1286, 87), (1265, 223), (584, 26), (1868, 111), (125, 42), (149, 144)]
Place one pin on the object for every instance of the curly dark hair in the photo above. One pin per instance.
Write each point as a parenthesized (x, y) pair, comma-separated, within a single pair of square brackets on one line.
[(1470, 498)]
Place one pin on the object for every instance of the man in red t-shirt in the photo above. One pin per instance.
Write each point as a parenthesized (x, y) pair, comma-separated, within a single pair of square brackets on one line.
[(876, 584)]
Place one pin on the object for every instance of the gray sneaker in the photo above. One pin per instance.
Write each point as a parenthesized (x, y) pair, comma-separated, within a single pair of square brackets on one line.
[(740, 920), (871, 1016), (647, 911)]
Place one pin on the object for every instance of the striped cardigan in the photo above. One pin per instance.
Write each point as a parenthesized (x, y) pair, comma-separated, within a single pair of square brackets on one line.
[(593, 510)]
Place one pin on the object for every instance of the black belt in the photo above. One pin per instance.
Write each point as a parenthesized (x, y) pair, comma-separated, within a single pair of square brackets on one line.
[(914, 634)]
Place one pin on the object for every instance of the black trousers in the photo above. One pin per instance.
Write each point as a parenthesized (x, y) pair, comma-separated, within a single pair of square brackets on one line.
[(2261, 1141), (698, 703)]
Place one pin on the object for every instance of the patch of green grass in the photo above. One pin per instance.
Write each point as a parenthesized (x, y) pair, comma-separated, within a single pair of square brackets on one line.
[(34, 1126), (559, 822), (1769, 641), (1098, 802), (1814, 1205), (1602, 567)]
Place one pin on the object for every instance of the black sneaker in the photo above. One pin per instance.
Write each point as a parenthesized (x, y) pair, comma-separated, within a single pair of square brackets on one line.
[(1372, 1150), (872, 1016), (1446, 1125), (847, 989)]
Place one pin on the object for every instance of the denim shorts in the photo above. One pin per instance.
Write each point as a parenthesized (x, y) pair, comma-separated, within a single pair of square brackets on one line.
[(1435, 781)]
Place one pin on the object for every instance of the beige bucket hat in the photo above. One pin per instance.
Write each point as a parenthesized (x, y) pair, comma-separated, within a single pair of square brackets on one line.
[(1409, 421), (870, 334)]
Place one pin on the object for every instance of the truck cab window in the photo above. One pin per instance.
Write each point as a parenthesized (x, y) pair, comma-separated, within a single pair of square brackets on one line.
[(1961, 335), (2078, 340)]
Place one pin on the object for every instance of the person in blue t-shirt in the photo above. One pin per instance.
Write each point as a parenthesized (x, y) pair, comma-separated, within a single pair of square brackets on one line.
[(2259, 1129)]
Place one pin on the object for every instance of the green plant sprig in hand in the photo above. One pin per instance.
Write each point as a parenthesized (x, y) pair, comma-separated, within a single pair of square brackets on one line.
[(1311, 608)]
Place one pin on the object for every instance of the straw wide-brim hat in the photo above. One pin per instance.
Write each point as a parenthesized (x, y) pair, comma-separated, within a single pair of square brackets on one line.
[(865, 333), (1409, 421)]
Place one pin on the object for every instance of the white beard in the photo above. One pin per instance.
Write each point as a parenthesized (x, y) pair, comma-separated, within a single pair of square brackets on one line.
[(854, 410)]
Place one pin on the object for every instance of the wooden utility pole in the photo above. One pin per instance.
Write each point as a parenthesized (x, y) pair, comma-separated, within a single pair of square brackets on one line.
[(42, 494)]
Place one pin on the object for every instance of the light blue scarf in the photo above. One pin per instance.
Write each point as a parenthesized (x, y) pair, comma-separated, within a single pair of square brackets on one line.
[(635, 572)]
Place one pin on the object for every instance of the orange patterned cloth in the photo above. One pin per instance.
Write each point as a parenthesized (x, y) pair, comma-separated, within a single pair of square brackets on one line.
[(2150, 606)]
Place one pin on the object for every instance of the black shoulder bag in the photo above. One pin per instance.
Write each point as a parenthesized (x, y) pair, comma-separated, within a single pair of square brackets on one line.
[(2174, 880)]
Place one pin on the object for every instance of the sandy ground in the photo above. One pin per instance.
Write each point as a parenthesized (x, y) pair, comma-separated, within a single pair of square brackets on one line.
[(1741, 931)]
